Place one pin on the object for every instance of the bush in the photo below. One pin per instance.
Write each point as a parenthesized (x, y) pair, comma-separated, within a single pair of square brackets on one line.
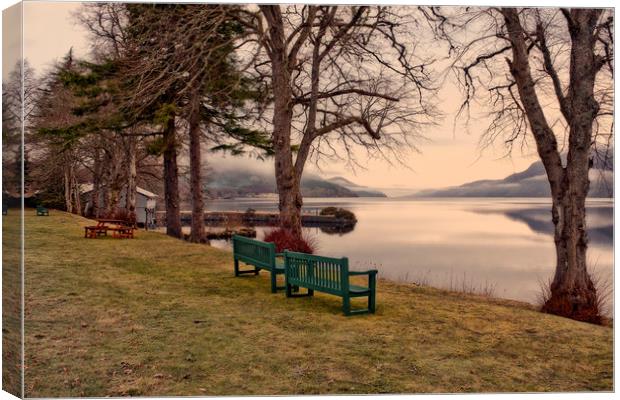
[(339, 213), (284, 239)]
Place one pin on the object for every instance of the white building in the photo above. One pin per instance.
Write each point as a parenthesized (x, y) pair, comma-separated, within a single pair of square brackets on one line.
[(145, 200)]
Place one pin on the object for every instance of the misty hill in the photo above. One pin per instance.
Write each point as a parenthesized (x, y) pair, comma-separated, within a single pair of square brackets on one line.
[(246, 182), (339, 180), (361, 191), (529, 183)]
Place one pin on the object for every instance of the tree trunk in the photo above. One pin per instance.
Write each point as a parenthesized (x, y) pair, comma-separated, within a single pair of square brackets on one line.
[(198, 220), (94, 195), (67, 186), (290, 200), (171, 181), (115, 195), (573, 294), (76, 196), (130, 197)]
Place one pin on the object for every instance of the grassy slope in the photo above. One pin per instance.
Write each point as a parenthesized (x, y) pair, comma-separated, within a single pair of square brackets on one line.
[(11, 303), (158, 316)]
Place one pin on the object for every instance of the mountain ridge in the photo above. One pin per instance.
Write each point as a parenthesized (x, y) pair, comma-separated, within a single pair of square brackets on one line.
[(247, 182), (531, 182)]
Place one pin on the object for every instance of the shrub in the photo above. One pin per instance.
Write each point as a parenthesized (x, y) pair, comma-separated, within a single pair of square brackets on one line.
[(339, 213), (284, 239)]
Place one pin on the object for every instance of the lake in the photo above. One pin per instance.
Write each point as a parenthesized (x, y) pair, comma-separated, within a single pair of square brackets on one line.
[(501, 244)]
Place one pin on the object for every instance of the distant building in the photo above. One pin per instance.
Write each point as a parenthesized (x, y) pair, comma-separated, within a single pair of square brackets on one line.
[(144, 200)]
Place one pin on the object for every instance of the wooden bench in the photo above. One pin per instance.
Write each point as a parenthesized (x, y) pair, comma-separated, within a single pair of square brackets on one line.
[(122, 232), (261, 255), (94, 231), (328, 275), (42, 211)]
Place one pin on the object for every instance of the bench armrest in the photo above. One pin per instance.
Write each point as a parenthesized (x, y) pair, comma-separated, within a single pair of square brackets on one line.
[(369, 272)]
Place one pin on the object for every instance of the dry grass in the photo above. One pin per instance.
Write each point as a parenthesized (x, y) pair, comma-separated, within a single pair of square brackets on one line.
[(159, 316), (11, 304)]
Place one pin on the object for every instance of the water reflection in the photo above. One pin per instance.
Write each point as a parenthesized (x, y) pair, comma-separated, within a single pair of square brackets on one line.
[(451, 243), (599, 221)]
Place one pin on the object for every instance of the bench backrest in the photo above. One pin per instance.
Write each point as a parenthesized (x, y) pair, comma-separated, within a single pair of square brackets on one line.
[(255, 252), (325, 274)]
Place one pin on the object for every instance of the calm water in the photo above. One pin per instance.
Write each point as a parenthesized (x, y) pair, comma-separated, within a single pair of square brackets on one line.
[(501, 243)]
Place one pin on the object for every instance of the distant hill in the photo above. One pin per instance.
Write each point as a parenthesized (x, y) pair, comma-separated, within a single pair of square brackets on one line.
[(319, 187), (245, 182), (529, 183), (361, 191), (339, 180)]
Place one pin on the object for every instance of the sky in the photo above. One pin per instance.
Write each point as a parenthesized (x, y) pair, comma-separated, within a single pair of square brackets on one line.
[(450, 156)]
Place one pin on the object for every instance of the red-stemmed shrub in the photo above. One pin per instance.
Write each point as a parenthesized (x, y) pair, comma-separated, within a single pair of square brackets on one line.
[(284, 239)]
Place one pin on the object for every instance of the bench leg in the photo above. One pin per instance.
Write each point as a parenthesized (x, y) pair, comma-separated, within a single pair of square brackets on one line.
[(372, 284), (274, 282), (236, 267), (346, 305), (371, 302), (293, 291)]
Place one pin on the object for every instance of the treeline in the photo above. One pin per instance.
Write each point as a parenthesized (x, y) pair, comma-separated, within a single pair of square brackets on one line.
[(164, 81), (146, 94)]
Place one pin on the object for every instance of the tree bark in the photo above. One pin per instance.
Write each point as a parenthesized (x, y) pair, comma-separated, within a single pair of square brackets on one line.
[(76, 196), (171, 180), (130, 197), (94, 196), (573, 293), (572, 290), (198, 225), (67, 186), (287, 183)]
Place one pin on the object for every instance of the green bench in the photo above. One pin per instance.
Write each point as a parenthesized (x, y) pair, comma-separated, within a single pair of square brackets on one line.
[(328, 275), (261, 255), (42, 211)]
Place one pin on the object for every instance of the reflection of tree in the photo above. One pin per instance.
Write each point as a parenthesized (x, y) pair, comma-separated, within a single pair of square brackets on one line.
[(539, 220), (337, 229)]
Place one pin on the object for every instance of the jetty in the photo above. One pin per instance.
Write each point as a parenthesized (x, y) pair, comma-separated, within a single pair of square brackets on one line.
[(231, 218)]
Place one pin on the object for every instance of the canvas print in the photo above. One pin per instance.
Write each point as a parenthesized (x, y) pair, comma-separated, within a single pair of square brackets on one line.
[(292, 199)]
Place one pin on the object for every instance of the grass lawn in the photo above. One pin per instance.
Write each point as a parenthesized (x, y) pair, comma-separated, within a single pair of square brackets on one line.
[(11, 303), (159, 316)]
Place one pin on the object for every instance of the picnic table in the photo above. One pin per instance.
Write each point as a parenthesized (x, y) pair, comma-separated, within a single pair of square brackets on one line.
[(120, 228)]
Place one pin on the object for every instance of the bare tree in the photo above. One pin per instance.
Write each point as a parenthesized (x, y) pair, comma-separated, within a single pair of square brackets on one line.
[(106, 24), (19, 94), (341, 77), (548, 72)]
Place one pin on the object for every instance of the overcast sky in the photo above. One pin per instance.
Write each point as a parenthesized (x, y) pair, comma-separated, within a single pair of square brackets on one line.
[(451, 157)]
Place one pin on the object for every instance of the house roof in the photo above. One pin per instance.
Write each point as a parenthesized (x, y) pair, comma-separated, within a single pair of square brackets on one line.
[(88, 187), (145, 192)]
